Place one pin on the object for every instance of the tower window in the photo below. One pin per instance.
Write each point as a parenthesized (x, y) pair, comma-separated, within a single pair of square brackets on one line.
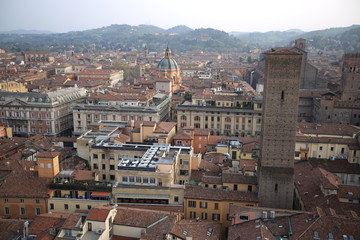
[(276, 187), (282, 95)]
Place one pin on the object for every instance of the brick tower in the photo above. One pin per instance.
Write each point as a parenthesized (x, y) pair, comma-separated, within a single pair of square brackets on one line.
[(280, 112)]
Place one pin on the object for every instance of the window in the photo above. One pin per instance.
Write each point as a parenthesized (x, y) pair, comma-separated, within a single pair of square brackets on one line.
[(203, 215), (6, 211), (176, 199), (49, 165), (138, 179), (282, 95), (320, 148), (95, 166), (6, 200), (112, 177), (276, 187), (42, 165), (192, 204), (37, 211), (192, 214), (145, 180), (216, 217), (244, 217), (37, 201), (111, 156), (77, 206), (21, 200), (332, 149), (152, 180), (203, 204), (51, 206), (132, 179), (89, 207), (66, 206), (103, 166), (216, 206), (235, 187), (124, 179), (22, 211), (112, 167)]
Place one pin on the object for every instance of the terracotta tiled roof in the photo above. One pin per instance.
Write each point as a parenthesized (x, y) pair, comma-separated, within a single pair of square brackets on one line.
[(250, 230), (336, 166), (214, 140), (208, 166), (161, 229), (197, 230), (201, 132), (308, 182), (72, 221), (164, 127), (327, 128), (11, 228), (28, 184), (44, 223), (238, 178), (211, 179), (47, 154), (98, 214), (192, 192), (349, 192), (85, 175), (138, 217), (182, 135)]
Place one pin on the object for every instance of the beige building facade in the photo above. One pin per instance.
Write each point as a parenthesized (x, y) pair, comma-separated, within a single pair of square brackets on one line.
[(222, 115)]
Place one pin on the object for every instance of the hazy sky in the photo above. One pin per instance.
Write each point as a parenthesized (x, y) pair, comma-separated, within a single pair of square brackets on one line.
[(226, 15)]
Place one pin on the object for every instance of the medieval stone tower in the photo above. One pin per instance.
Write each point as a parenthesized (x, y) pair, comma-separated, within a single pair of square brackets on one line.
[(350, 80), (280, 112)]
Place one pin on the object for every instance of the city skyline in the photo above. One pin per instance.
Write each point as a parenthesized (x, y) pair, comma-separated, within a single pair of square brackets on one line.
[(256, 16)]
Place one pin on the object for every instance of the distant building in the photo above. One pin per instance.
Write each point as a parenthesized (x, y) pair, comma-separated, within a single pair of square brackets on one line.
[(39, 113), (12, 86), (156, 110), (167, 78), (222, 114), (39, 57)]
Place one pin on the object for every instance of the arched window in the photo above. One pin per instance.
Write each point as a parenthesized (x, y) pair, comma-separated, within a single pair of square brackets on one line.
[(183, 118)]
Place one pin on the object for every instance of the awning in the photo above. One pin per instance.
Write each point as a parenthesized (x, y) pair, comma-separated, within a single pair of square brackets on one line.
[(100, 194)]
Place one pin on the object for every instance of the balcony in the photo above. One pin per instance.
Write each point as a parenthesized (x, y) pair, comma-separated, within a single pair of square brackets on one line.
[(99, 187)]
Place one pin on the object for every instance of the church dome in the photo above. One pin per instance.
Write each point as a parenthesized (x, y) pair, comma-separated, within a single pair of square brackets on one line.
[(167, 63)]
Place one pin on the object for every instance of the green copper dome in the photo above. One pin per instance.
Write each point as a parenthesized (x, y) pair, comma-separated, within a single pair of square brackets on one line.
[(167, 63)]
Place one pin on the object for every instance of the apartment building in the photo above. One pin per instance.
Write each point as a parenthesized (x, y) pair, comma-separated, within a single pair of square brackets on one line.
[(31, 113), (212, 204), (223, 114), (157, 109), (140, 173)]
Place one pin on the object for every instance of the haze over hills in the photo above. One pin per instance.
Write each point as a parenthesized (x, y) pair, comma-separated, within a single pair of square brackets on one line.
[(179, 38)]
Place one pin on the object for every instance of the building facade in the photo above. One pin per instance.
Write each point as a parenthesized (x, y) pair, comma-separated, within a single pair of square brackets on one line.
[(281, 96), (34, 113), (144, 173), (222, 114), (86, 114)]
